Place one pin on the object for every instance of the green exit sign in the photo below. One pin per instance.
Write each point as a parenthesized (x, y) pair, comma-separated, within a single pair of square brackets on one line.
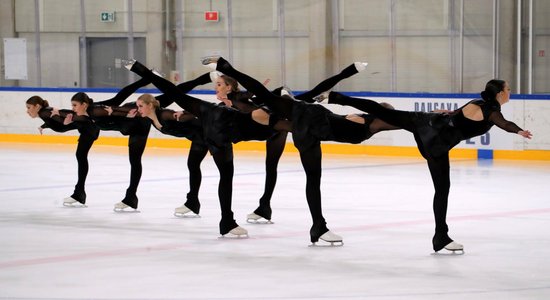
[(107, 17)]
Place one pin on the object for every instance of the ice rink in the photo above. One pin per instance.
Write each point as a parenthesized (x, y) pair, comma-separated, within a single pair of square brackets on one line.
[(499, 210)]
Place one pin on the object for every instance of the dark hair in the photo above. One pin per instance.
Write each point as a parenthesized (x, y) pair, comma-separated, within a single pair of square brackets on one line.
[(492, 88), (82, 98), (34, 100), (231, 82)]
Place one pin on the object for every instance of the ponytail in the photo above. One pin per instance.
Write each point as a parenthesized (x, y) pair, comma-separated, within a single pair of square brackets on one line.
[(37, 100)]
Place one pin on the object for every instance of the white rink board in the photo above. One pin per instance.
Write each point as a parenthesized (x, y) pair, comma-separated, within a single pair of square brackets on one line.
[(529, 114)]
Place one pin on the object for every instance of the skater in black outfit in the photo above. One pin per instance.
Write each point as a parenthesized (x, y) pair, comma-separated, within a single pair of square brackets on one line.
[(436, 134), (198, 149), (228, 92), (137, 129), (311, 124), (53, 119), (221, 127)]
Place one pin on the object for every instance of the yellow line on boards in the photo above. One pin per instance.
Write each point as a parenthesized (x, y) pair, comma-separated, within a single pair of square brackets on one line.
[(260, 146)]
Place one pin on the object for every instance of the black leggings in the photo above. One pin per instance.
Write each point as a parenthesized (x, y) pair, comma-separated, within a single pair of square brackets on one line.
[(275, 147), (193, 105), (399, 118), (136, 147), (124, 93), (185, 87), (224, 161), (197, 153), (311, 162), (439, 166), (327, 84), (82, 150)]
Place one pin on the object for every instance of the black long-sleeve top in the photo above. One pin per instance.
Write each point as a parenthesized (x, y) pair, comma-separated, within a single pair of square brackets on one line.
[(491, 116), (86, 127)]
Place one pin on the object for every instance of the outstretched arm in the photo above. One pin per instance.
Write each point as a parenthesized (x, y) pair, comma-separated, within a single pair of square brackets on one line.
[(498, 119)]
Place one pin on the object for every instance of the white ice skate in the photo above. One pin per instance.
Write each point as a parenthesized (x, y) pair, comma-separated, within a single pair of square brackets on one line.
[(453, 248), (128, 63), (286, 91), (360, 66), (123, 208), (237, 232), (322, 98), (71, 202), (256, 219), (210, 62), (214, 75), (157, 72), (184, 212), (331, 240)]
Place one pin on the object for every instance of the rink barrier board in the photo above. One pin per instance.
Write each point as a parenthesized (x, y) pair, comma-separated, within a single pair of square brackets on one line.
[(260, 146), (397, 148)]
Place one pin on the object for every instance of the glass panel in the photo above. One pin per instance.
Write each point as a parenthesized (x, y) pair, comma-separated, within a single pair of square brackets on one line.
[(419, 51), (541, 47), (478, 44)]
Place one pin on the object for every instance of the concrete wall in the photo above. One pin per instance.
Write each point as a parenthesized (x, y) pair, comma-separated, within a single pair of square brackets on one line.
[(423, 56)]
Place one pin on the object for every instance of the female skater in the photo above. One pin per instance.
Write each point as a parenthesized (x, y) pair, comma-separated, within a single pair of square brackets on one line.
[(38, 107), (228, 92), (221, 127), (137, 129), (197, 151), (436, 134), (311, 124)]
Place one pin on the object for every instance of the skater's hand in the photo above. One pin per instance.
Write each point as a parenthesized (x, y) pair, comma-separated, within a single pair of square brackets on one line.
[(132, 113), (177, 115), (55, 112), (68, 119), (40, 129), (525, 133), (109, 110)]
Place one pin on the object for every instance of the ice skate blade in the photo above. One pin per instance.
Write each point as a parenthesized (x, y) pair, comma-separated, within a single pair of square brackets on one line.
[(126, 210), (186, 215), (123, 208), (256, 219), (230, 236), (326, 244), (261, 221), (448, 252), (74, 205)]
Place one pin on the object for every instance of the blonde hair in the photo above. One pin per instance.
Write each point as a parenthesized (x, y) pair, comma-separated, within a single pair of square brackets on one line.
[(149, 99)]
